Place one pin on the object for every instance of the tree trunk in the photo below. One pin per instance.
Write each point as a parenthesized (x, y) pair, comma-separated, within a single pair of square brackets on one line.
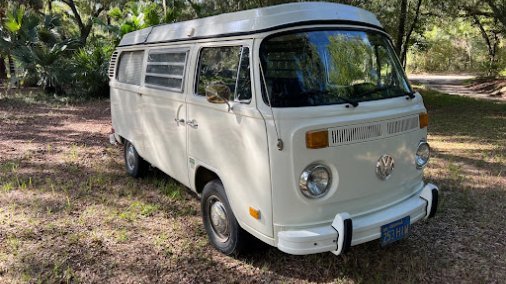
[(3, 70), (405, 44), (402, 26), (491, 47), (12, 69), (84, 29), (50, 6)]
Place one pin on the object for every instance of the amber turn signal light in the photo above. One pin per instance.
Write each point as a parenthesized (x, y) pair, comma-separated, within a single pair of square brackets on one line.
[(254, 213), (424, 120), (317, 139)]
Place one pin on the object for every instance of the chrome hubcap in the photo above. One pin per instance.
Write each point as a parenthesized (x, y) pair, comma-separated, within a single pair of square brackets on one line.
[(130, 157), (218, 216)]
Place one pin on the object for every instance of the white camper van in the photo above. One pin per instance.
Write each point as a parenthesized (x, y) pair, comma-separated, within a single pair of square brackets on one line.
[(294, 123)]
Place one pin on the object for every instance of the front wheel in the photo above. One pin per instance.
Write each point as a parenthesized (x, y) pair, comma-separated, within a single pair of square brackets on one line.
[(222, 228), (135, 165)]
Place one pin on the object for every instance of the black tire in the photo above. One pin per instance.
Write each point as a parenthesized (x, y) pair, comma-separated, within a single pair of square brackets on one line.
[(135, 165), (233, 239)]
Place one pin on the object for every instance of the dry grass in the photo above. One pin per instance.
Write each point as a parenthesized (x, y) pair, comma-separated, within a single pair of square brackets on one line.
[(68, 212)]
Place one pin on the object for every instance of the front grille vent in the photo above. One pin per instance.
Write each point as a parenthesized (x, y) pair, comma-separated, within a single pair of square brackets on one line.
[(365, 132), (398, 126), (354, 134), (112, 65)]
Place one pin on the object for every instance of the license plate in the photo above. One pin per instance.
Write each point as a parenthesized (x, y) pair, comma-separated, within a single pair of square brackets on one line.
[(395, 231)]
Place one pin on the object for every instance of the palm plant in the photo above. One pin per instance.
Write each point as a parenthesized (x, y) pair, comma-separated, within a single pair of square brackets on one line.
[(37, 45), (136, 15), (16, 27), (90, 66)]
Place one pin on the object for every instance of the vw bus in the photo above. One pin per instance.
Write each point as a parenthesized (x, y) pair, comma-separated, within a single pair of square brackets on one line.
[(294, 124)]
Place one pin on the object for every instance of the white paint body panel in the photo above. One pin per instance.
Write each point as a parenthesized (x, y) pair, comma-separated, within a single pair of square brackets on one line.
[(250, 21), (234, 144), (125, 113), (240, 145)]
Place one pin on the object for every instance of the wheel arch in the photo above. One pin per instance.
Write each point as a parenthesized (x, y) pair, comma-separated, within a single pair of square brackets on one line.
[(204, 175)]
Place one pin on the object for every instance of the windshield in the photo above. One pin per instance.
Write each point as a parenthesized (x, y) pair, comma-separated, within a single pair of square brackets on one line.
[(312, 68)]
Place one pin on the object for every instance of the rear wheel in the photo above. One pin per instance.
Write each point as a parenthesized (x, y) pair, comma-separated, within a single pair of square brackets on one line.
[(135, 165), (222, 228)]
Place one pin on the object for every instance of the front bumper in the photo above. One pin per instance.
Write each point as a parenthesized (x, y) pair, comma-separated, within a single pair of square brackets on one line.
[(346, 231)]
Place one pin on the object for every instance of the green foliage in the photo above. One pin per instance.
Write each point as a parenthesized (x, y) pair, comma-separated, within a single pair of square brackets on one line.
[(14, 19), (453, 45), (37, 46), (344, 52), (90, 65), (47, 40)]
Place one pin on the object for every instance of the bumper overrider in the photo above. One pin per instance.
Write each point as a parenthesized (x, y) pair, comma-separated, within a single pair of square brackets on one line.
[(345, 231)]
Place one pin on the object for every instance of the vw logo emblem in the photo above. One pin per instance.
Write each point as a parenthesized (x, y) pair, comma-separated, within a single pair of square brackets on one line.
[(384, 167)]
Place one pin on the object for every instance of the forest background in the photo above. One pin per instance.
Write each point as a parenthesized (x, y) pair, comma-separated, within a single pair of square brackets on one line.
[(64, 46)]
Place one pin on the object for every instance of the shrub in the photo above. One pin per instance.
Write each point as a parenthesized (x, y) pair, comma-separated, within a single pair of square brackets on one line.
[(89, 68)]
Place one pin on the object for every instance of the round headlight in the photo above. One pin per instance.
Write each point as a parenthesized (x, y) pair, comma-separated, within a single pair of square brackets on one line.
[(422, 154), (315, 181)]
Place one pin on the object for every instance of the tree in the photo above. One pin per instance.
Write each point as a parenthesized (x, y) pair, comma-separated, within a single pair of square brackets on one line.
[(84, 28), (498, 8), (490, 33), (3, 68), (489, 18), (401, 19)]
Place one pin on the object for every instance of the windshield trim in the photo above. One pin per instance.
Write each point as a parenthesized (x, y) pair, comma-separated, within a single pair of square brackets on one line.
[(363, 28)]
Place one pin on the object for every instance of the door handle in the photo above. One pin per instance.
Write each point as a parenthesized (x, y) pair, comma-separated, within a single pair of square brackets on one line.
[(192, 124), (178, 121)]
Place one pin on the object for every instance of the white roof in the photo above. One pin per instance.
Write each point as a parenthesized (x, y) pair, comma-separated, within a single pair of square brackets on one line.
[(251, 21)]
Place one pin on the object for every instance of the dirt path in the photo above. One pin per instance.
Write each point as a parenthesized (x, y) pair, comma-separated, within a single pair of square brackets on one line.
[(454, 85)]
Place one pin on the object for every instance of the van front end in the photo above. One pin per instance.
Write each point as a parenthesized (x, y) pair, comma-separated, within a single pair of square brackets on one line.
[(364, 183), (345, 230), (347, 138)]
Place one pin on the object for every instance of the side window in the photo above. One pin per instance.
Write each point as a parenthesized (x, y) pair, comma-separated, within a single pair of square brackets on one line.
[(130, 66), (226, 67), (243, 89), (166, 69)]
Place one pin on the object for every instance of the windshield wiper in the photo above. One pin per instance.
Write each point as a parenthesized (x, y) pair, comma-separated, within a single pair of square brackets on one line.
[(410, 94), (326, 92), (352, 103)]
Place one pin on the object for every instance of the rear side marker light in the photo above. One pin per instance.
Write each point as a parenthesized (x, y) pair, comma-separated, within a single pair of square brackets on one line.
[(424, 120), (317, 139)]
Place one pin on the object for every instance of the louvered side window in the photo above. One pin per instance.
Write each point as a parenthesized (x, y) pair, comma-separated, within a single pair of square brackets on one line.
[(165, 69), (130, 67)]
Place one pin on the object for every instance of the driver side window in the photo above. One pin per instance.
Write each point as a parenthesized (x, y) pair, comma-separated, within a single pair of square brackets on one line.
[(226, 67)]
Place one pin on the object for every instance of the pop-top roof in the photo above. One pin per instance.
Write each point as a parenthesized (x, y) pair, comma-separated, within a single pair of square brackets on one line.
[(250, 21)]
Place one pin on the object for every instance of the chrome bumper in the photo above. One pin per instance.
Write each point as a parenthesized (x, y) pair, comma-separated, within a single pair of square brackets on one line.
[(345, 231)]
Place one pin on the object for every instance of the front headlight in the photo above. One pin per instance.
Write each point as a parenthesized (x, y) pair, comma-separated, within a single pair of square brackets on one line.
[(315, 181), (422, 155)]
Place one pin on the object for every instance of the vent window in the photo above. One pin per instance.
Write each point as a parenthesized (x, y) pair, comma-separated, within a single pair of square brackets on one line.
[(165, 69), (112, 64)]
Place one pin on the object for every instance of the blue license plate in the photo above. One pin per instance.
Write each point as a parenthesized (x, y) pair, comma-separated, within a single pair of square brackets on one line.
[(395, 231)]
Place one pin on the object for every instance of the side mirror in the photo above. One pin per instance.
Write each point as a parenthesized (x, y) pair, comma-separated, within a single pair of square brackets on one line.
[(218, 93)]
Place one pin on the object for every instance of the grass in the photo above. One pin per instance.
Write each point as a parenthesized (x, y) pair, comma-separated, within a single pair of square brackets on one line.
[(69, 213)]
